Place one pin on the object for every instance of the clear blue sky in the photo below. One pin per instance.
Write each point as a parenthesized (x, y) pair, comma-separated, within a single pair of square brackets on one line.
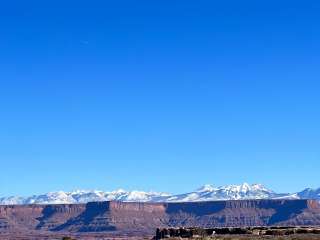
[(158, 95)]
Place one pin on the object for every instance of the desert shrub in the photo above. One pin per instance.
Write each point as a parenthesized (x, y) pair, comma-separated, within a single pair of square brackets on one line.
[(67, 238)]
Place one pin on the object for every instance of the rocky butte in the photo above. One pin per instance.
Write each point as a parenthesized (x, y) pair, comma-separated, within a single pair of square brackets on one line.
[(129, 218)]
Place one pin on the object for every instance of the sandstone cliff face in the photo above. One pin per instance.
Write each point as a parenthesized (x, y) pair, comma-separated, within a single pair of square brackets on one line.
[(36, 217), (243, 213), (146, 217)]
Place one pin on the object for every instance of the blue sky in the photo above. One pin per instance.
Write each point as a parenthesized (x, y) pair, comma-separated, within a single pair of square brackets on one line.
[(158, 95)]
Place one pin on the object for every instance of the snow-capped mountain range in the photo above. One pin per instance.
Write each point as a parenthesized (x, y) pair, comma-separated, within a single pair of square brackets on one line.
[(205, 193)]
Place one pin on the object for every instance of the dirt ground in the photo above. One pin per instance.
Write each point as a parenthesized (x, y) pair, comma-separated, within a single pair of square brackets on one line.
[(250, 237), (88, 236)]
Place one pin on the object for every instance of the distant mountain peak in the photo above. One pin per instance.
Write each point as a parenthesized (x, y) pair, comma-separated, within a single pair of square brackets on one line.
[(207, 192), (206, 188), (244, 187)]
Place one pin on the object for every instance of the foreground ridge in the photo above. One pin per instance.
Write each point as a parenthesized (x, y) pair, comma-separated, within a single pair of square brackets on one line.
[(197, 232)]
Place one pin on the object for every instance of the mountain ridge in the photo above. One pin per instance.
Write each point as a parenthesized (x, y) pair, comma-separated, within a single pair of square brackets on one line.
[(207, 192)]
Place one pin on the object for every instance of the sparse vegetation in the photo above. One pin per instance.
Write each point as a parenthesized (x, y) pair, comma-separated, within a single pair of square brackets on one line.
[(67, 238), (237, 233), (293, 237)]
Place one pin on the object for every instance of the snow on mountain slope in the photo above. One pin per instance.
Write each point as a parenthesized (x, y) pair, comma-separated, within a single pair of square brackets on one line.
[(230, 192), (83, 196), (12, 200), (205, 193), (309, 193), (50, 198)]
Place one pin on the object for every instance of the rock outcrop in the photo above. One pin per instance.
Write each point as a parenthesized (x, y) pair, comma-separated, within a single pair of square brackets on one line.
[(254, 231)]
